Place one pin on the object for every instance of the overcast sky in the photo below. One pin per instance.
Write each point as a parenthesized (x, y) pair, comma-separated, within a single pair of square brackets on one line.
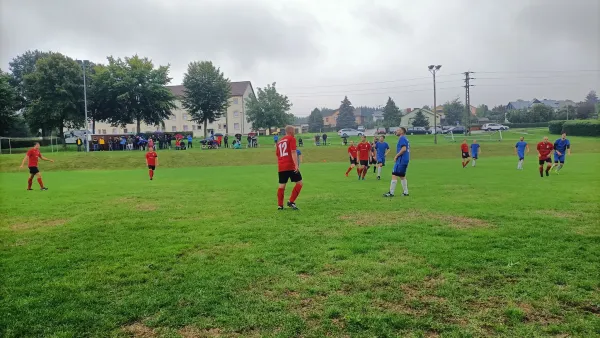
[(320, 50)]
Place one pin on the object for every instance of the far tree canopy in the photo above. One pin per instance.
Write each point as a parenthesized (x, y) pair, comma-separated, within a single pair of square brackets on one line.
[(268, 108)]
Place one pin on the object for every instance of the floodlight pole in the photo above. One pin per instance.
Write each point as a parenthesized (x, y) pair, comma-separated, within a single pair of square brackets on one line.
[(433, 69), (87, 144)]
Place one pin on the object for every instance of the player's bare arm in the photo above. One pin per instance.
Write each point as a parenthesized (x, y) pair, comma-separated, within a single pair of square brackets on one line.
[(402, 151), (46, 159), (23, 163), (295, 159), (527, 147), (387, 151)]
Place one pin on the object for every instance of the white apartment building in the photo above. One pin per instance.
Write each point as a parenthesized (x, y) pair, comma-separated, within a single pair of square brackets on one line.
[(233, 122)]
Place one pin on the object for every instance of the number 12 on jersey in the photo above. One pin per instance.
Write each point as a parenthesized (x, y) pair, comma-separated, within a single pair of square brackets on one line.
[(283, 151)]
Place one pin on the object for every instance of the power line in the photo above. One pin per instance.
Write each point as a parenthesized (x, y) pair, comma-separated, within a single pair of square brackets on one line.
[(367, 89), (542, 71), (368, 83), (373, 93)]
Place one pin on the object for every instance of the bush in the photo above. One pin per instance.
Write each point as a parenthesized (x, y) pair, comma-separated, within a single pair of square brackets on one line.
[(582, 128), (528, 125), (556, 127)]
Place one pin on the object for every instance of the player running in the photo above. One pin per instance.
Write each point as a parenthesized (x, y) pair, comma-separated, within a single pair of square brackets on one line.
[(475, 151), (151, 161), (353, 154), (544, 149), (401, 164), (32, 157), (464, 148), (373, 158), (382, 148), (364, 150), (287, 161), (562, 146), (521, 148)]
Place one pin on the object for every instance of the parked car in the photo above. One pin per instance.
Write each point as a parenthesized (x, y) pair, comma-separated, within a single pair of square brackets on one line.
[(493, 126), (380, 131), (349, 132), (416, 131), (457, 130), (361, 128), (392, 130), (438, 130)]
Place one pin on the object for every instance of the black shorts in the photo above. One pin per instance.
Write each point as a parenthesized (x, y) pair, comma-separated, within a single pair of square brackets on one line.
[(152, 167), (353, 161), (33, 170), (364, 162), (465, 155), (294, 176), (541, 162)]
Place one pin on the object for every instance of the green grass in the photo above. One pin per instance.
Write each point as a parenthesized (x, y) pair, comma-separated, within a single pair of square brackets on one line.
[(200, 251)]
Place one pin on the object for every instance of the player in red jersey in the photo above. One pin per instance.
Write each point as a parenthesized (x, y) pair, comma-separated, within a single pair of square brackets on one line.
[(353, 154), (287, 161), (32, 157), (464, 148), (364, 151), (151, 161), (544, 149)]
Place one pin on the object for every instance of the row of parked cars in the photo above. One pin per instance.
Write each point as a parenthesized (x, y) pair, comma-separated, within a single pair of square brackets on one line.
[(346, 132)]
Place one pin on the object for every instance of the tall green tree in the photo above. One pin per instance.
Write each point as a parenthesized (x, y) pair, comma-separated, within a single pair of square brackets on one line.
[(427, 107), (420, 120), (315, 121), (22, 65), (10, 103), (346, 117), (497, 113), (206, 92), (482, 110), (585, 110), (138, 91), (391, 114), (268, 108), (591, 98), (454, 111)]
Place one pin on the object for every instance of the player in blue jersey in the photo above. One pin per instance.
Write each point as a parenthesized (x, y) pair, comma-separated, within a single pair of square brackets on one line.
[(562, 146), (475, 151), (521, 148), (382, 148), (299, 153), (401, 164)]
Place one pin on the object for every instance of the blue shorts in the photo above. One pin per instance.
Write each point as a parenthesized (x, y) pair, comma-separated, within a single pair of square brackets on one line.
[(381, 160), (474, 156), (560, 158), (400, 169), (521, 156)]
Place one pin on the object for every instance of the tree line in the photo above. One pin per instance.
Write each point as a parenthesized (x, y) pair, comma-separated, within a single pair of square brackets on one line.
[(44, 91)]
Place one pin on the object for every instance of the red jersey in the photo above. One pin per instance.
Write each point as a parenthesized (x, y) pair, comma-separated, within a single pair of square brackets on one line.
[(364, 150), (464, 148), (544, 148), (32, 157), (352, 151), (151, 157), (286, 146)]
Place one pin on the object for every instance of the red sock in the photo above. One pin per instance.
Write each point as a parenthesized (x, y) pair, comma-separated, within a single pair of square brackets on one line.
[(151, 173), (40, 182), (280, 193), (541, 169), (295, 192), (359, 171), (29, 182), (548, 168), (364, 172), (349, 170)]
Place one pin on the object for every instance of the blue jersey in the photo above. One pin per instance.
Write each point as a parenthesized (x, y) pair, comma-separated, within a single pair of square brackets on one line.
[(474, 149), (381, 148), (298, 153), (521, 146), (404, 158), (562, 145)]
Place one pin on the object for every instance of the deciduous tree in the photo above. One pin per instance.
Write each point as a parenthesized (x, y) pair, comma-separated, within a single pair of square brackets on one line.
[(454, 111), (206, 92), (268, 108), (315, 121), (10, 103)]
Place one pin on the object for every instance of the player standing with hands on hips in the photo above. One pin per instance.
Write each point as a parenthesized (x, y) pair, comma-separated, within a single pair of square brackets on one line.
[(32, 157), (288, 165), (401, 164)]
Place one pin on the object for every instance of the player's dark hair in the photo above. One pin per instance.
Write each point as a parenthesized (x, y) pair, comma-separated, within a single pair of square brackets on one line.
[(403, 130)]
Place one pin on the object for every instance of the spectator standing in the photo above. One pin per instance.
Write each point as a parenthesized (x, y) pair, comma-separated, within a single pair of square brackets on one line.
[(324, 139), (130, 143), (169, 139), (95, 144), (189, 139), (226, 139), (102, 143), (79, 142), (275, 138), (300, 142)]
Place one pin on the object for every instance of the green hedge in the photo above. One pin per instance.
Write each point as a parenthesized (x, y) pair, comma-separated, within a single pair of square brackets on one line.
[(582, 128), (528, 125), (556, 127)]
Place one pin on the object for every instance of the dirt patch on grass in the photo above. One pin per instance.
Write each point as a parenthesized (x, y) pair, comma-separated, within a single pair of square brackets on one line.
[(139, 330), (30, 224), (136, 203), (398, 218), (146, 206)]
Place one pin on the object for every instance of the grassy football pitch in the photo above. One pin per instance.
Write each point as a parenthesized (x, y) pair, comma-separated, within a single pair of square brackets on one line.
[(200, 251)]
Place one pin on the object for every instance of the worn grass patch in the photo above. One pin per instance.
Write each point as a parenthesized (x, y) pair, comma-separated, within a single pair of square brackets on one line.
[(24, 224), (139, 330), (420, 216)]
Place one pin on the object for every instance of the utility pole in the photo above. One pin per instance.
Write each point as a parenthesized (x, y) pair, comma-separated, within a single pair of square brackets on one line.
[(467, 86), (87, 129), (433, 69)]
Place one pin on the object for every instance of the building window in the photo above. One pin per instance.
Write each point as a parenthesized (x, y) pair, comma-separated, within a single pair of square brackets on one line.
[(125, 131), (235, 100), (219, 126), (104, 131), (173, 128), (236, 114), (185, 117), (236, 126), (173, 117), (114, 131), (99, 131), (185, 127), (193, 127), (90, 126)]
